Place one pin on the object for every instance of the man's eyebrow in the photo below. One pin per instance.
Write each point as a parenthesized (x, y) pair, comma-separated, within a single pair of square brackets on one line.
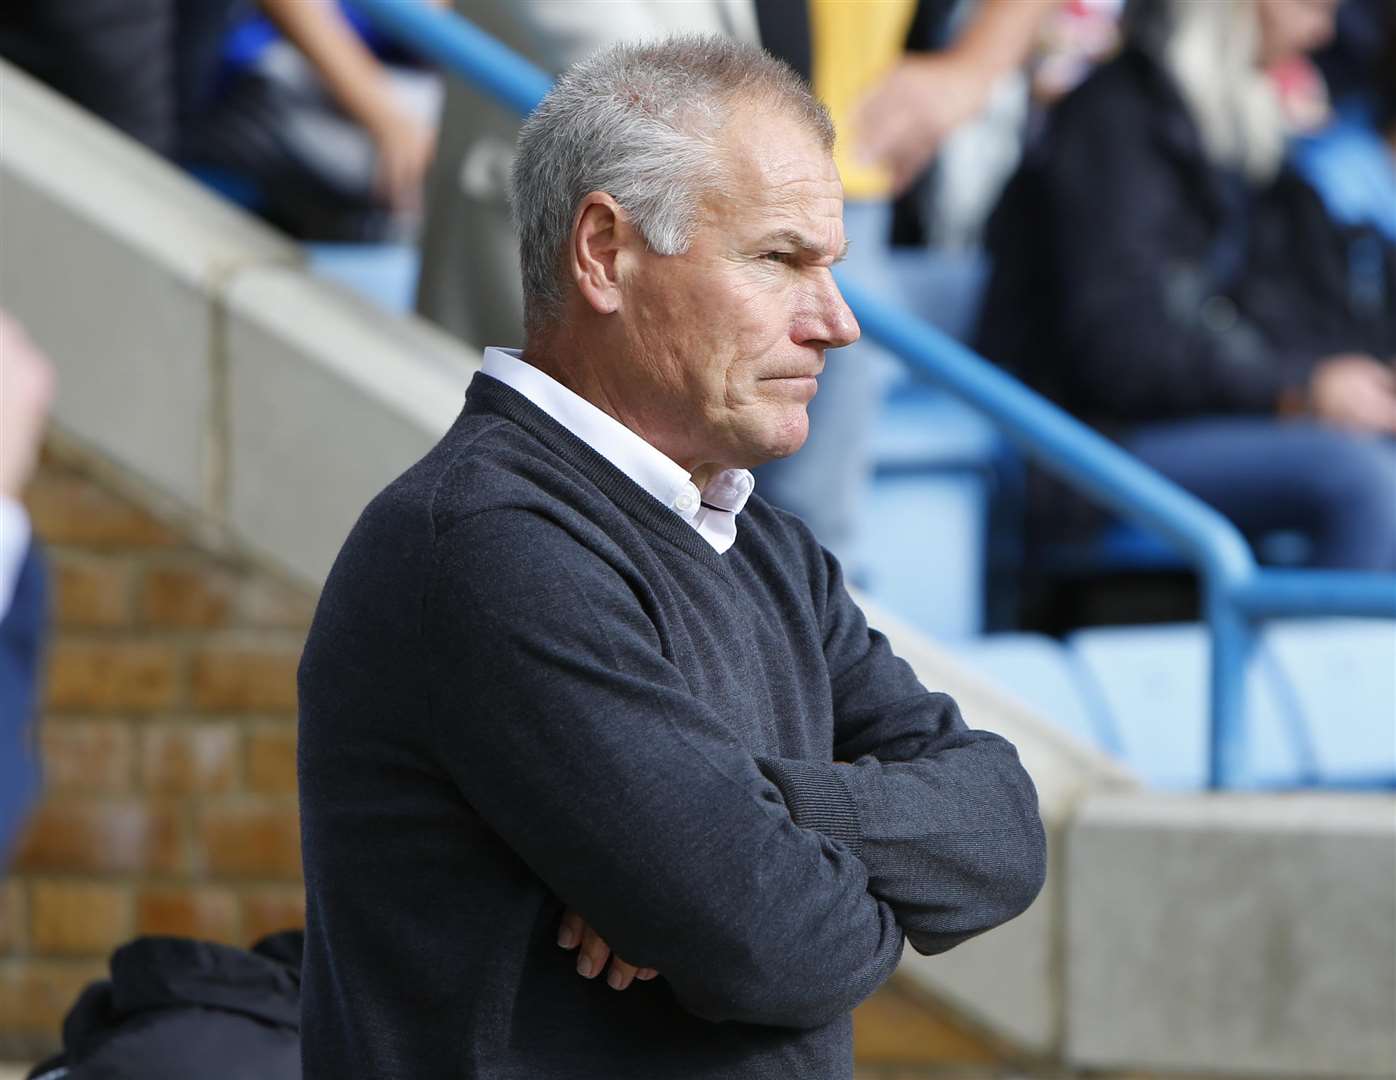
[(799, 240)]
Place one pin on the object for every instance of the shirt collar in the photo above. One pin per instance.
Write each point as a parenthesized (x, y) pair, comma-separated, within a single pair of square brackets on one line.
[(662, 477)]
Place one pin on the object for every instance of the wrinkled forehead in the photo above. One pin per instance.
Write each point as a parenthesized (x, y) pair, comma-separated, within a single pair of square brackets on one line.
[(777, 173)]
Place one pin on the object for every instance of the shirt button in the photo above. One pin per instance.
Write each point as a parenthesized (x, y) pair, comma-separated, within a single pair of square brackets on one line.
[(686, 501)]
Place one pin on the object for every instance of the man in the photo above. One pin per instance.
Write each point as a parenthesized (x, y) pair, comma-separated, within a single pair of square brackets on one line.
[(570, 684), (26, 388), (897, 83)]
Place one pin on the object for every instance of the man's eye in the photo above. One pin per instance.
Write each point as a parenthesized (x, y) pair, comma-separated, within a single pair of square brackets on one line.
[(779, 256)]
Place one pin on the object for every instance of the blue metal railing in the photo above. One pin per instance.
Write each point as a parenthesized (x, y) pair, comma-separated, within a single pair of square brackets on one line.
[(1237, 593)]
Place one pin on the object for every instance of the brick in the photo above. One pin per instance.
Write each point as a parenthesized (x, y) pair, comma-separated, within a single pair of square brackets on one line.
[(271, 759), (186, 759), (118, 835), (79, 918), (90, 757), (13, 922), (244, 679), (264, 602), (251, 839), (194, 595), (266, 911), (35, 995), (111, 676), (91, 591), (70, 509), (198, 912)]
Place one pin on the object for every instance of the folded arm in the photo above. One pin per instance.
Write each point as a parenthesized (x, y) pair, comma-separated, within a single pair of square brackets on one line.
[(582, 746), (944, 818)]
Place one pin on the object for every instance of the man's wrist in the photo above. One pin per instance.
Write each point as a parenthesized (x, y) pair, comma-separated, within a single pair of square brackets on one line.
[(816, 797)]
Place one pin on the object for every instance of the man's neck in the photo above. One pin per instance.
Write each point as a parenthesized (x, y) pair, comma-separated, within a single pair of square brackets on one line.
[(577, 373)]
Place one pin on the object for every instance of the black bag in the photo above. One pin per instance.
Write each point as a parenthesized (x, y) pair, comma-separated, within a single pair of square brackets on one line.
[(179, 1009)]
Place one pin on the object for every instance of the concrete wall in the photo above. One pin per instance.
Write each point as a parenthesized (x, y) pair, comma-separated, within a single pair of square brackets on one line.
[(192, 350), (1247, 934)]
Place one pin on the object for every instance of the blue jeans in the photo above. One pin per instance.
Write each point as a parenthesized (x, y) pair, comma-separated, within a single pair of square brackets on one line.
[(1336, 488)]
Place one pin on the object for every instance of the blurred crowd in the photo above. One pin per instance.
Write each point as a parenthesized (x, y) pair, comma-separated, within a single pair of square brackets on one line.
[(1193, 203)]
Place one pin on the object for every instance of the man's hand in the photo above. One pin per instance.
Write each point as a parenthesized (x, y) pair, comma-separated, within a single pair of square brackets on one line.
[(905, 118), (1356, 392), (26, 389), (594, 952), (405, 149)]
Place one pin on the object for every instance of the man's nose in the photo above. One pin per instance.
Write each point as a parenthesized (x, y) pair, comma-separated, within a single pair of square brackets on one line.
[(831, 324)]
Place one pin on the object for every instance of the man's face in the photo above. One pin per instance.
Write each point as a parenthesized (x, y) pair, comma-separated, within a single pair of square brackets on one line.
[(724, 341)]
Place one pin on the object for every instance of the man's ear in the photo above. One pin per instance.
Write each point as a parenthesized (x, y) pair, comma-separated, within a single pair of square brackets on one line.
[(599, 232)]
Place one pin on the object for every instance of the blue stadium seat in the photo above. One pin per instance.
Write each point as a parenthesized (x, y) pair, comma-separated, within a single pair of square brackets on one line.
[(927, 516), (1041, 672), (1153, 682), (1321, 704), (1341, 674)]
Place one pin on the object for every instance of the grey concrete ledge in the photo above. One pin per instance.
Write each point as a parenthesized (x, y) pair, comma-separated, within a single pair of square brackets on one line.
[(327, 400), (1010, 979), (1233, 934)]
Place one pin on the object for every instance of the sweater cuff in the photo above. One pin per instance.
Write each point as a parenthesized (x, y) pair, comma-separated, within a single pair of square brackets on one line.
[(816, 797)]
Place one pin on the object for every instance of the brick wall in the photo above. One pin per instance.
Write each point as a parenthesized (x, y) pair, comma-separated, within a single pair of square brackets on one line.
[(168, 739)]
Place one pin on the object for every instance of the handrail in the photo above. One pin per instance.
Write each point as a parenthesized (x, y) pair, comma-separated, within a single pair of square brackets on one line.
[(1061, 443), (1237, 592)]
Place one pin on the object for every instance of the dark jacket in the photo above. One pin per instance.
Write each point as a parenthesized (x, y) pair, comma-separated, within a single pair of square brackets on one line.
[(178, 1009), (1135, 281), (21, 641)]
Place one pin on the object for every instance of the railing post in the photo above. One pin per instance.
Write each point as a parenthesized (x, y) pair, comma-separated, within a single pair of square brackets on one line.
[(1233, 643)]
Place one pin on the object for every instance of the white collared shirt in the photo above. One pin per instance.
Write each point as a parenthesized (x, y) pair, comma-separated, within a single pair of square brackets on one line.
[(712, 512), (14, 542)]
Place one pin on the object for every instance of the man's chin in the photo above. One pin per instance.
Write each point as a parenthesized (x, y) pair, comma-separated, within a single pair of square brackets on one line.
[(787, 441)]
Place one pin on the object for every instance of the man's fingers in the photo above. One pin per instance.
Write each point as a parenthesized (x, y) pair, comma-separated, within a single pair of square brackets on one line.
[(594, 952), (621, 974), (569, 933), (593, 955)]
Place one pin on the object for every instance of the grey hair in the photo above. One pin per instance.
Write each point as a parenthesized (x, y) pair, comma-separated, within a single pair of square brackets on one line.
[(640, 122)]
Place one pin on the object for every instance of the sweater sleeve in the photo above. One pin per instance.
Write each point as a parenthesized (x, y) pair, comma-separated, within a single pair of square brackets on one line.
[(567, 729), (944, 817)]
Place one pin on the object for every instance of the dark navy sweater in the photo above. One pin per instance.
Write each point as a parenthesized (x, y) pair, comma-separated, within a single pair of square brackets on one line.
[(530, 685)]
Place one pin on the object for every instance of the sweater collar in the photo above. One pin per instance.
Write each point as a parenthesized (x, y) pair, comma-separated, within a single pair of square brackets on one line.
[(487, 394), (712, 512)]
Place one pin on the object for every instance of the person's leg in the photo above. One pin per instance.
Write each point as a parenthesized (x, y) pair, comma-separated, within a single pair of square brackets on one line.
[(826, 480), (1337, 488)]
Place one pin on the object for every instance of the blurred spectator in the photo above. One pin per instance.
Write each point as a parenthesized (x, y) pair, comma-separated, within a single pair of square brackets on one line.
[(319, 132), (1161, 273), (905, 116), (145, 66), (26, 388), (327, 131), (1352, 162)]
